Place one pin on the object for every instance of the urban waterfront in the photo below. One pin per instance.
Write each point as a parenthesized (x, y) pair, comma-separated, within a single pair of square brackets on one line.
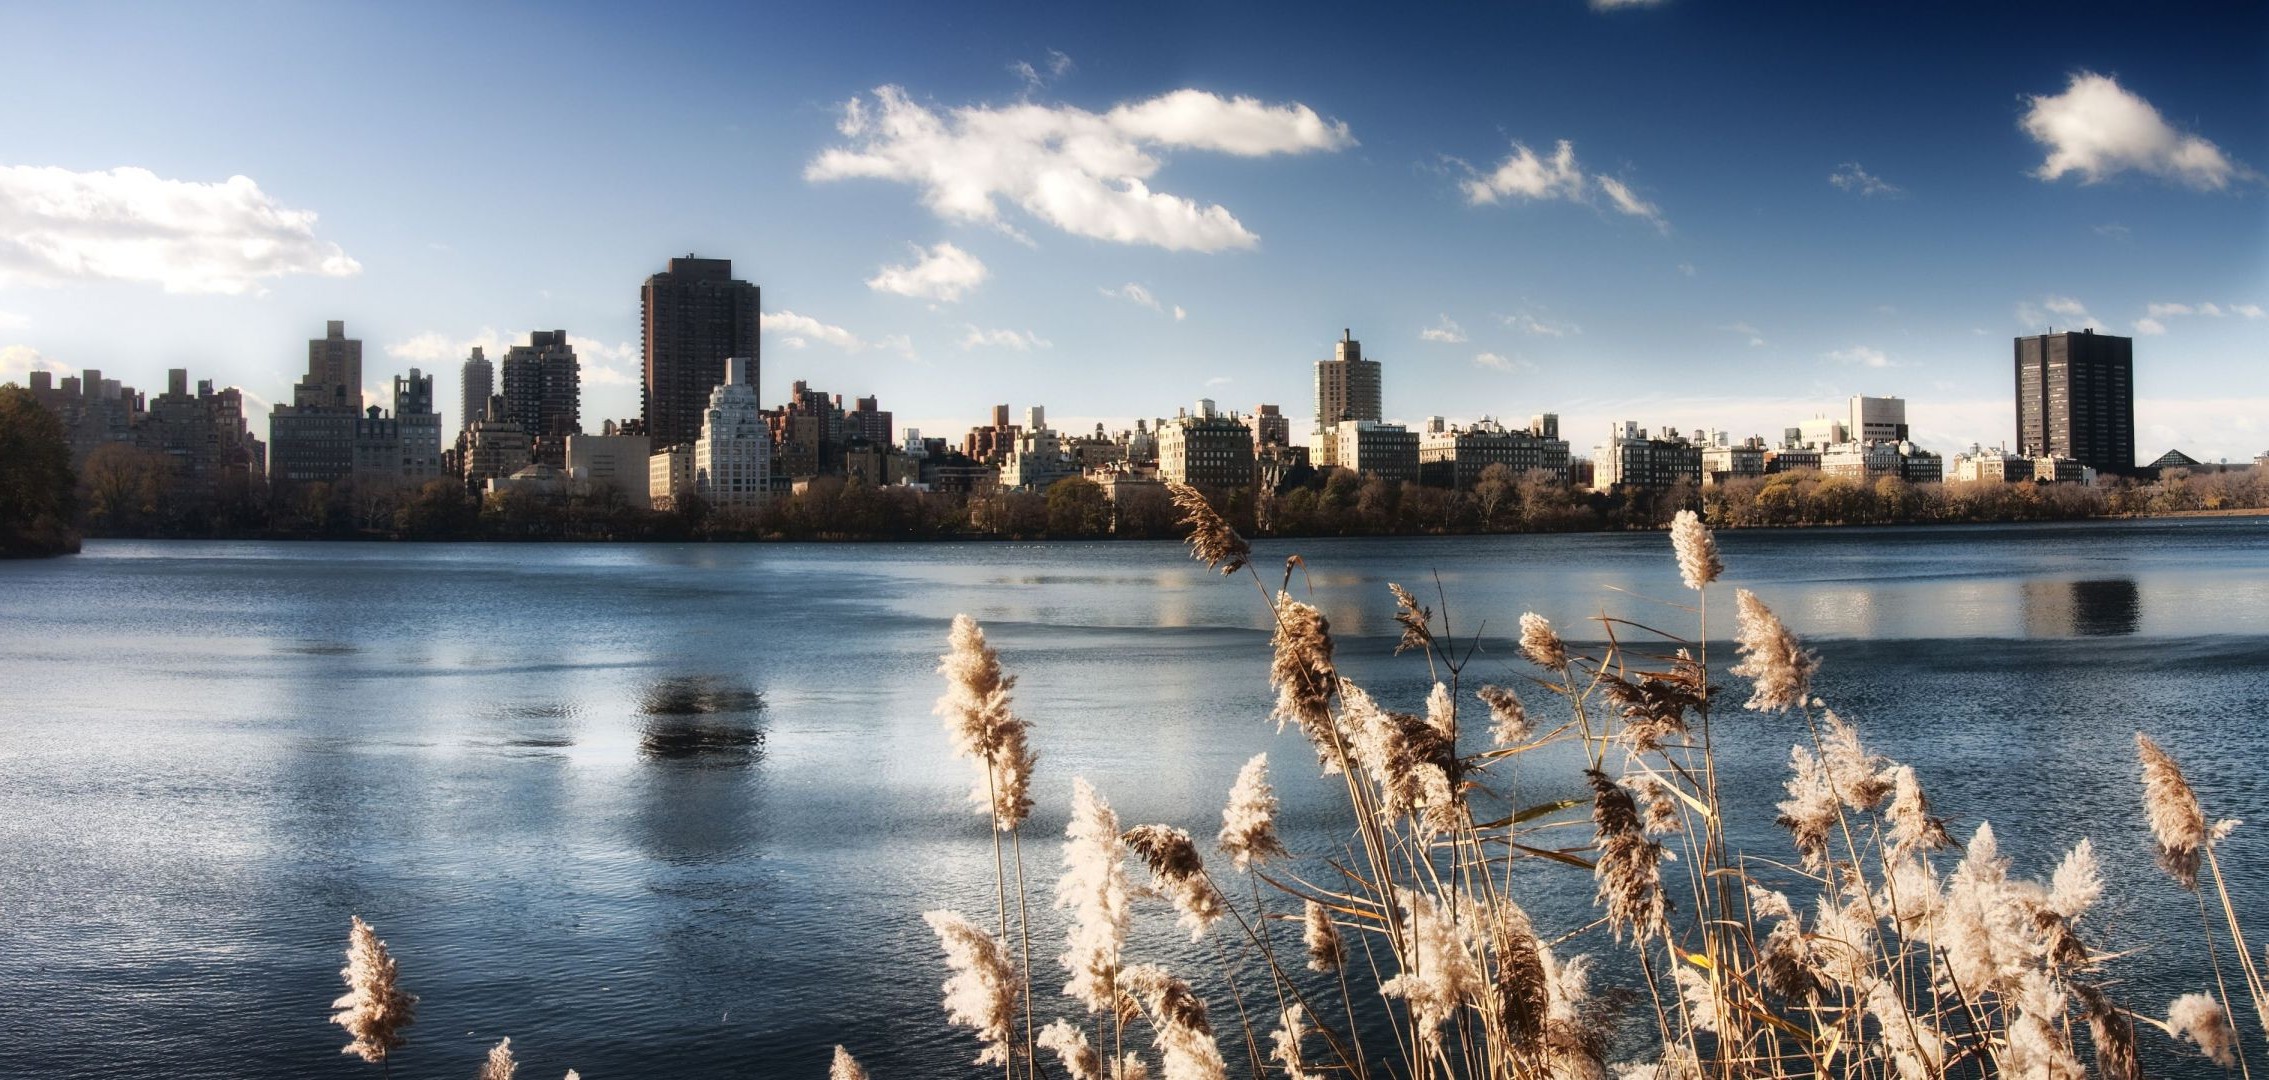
[(648, 808)]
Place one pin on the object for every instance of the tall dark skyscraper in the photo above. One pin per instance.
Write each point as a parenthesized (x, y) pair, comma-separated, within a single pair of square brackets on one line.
[(543, 386), (696, 317), (2076, 399), (477, 382)]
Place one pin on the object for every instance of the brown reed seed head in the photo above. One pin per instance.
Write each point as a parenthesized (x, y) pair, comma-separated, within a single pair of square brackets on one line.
[(375, 1008), (1698, 561), (1508, 718), (1519, 991), (982, 727), (1212, 541), (981, 993), (1248, 823), (1072, 1050), (2172, 807), (844, 1067), (2201, 1019), (1629, 866), (1178, 873), (1321, 936), (2112, 1033), (1303, 676), (1541, 644), (499, 1065), (1440, 969), (1416, 621), (1771, 657), (1094, 887), (1185, 1038)]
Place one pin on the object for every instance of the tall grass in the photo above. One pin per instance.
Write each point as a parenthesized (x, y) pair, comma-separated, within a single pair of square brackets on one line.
[(1877, 945)]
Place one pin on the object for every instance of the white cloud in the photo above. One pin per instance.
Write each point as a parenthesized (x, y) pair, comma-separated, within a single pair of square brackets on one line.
[(2065, 305), (1495, 362), (1756, 337), (1530, 324), (2160, 311), (19, 361), (1446, 331), (1686, 268), (2156, 314), (2149, 326), (2250, 311), (130, 224), (1083, 172), (2114, 230), (1862, 356), (943, 272), (1220, 380), (1525, 175), (2056, 310), (799, 331), (599, 363), (1137, 294), (1851, 177), (2097, 128), (1020, 340)]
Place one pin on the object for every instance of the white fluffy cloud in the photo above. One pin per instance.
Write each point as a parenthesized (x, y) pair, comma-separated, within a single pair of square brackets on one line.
[(2149, 326), (1496, 362), (2155, 315), (2052, 310), (1524, 174), (1850, 177), (1865, 356), (943, 272), (1137, 294), (799, 331), (130, 224), (2097, 128), (1083, 172), (1446, 332), (18, 361), (1019, 340)]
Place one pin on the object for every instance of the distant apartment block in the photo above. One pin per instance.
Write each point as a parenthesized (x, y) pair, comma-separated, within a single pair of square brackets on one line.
[(1631, 458), (1206, 449), (695, 316), (1271, 427), (543, 392), (669, 474), (312, 440), (419, 426), (1455, 457), (1370, 448), (1723, 461), (732, 461), (1348, 387), (2076, 399), (495, 446), (1878, 419), (612, 459)]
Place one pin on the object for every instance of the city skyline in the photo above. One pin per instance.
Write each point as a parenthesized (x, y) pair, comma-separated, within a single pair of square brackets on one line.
[(1703, 250)]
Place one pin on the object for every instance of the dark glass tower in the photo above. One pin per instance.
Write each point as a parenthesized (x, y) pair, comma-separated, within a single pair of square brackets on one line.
[(697, 316), (2076, 399)]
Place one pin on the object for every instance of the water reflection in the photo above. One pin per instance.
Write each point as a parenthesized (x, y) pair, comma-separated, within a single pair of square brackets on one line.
[(705, 719), (2106, 607)]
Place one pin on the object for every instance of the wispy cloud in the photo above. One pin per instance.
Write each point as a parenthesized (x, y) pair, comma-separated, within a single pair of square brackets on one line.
[(1850, 177), (1756, 337), (1137, 294), (2049, 310), (130, 224), (2098, 129), (1497, 362), (1866, 356), (1019, 340), (19, 361), (599, 363), (1530, 324), (943, 272), (1446, 331), (2155, 315), (795, 331), (1524, 174), (1083, 172)]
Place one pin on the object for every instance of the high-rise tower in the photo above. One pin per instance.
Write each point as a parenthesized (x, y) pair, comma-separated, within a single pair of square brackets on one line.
[(476, 382), (1347, 388), (696, 316), (543, 386), (2076, 399)]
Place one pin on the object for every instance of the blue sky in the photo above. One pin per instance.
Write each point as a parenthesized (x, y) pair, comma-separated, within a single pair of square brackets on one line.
[(1263, 179)]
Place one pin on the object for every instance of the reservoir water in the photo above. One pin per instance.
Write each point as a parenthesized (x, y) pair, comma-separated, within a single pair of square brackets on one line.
[(676, 810)]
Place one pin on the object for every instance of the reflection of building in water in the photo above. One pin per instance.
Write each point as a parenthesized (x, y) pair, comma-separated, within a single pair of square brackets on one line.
[(2106, 607)]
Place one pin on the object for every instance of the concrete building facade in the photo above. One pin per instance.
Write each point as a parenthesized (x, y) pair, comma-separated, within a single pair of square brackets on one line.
[(476, 383), (1630, 458), (1455, 457), (1370, 448), (1348, 387), (543, 392), (623, 462), (2076, 399), (732, 461), (695, 316), (1206, 449)]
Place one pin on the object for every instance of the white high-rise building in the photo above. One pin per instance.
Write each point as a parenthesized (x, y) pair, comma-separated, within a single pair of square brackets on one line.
[(732, 461)]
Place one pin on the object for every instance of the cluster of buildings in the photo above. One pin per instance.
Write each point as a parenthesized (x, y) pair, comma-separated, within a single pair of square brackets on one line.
[(703, 430)]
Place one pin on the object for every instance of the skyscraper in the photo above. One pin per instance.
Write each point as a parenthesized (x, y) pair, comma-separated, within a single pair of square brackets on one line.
[(334, 371), (732, 461), (313, 438), (543, 392), (477, 381), (419, 424), (2076, 399), (696, 316), (1347, 388)]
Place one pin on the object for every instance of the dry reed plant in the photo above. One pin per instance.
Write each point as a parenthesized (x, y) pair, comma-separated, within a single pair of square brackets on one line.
[(375, 1008), (1880, 948)]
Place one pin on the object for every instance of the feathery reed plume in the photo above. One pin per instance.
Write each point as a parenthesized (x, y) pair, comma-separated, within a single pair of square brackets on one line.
[(1697, 550), (375, 1008), (1811, 811), (1576, 1028), (1662, 811), (983, 727), (1700, 998), (982, 992), (1440, 971), (2200, 1019), (2078, 882), (1629, 866), (1413, 762), (1861, 779), (1508, 718), (1178, 873), (1321, 936), (845, 1067), (1915, 1047), (500, 1065), (1416, 620), (1185, 1039), (2173, 809), (1771, 657), (1070, 1044), (1303, 676), (1292, 1028), (1212, 541), (573, 1075), (1913, 828), (1248, 823), (1094, 887), (1520, 994), (2112, 1033), (2040, 1044), (1654, 708), (1541, 644)]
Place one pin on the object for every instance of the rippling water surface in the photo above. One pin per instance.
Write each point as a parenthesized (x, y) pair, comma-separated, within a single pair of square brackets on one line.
[(674, 810)]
